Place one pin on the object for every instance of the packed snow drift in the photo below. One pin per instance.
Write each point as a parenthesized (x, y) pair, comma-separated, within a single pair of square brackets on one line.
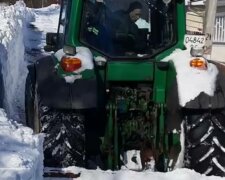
[(13, 20), (21, 154)]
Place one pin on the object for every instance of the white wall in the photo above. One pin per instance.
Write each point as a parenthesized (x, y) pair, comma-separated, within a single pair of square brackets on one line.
[(218, 52)]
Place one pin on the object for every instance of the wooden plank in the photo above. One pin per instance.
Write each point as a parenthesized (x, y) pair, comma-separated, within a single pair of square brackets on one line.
[(194, 24)]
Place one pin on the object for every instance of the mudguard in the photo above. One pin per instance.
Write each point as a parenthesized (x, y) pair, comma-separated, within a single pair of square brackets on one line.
[(201, 102), (204, 101), (54, 92)]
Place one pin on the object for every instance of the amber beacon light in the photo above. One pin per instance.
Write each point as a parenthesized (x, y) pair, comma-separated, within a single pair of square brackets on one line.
[(198, 63), (70, 64)]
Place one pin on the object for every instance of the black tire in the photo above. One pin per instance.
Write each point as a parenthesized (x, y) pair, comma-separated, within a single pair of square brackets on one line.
[(204, 142), (62, 151), (64, 143)]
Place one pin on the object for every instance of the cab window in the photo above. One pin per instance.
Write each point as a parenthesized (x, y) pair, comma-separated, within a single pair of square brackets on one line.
[(128, 28)]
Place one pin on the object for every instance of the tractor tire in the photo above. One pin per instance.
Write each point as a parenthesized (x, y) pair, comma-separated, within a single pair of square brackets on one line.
[(204, 142), (64, 143)]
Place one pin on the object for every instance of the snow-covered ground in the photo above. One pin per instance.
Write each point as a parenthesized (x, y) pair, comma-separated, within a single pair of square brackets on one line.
[(12, 24), (21, 155)]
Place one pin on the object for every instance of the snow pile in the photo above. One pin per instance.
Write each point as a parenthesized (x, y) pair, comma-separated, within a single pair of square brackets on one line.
[(129, 156), (191, 81), (13, 20), (46, 19), (21, 154), (178, 174)]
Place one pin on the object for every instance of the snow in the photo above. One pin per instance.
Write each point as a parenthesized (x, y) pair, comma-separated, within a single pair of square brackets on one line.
[(179, 163), (191, 81), (178, 174), (12, 22), (128, 163), (21, 153), (46, 19)]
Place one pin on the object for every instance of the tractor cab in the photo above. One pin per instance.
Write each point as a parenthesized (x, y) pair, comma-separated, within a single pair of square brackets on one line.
[(108, 27)]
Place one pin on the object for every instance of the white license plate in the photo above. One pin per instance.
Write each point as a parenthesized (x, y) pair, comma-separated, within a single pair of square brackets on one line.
[(194, 40)]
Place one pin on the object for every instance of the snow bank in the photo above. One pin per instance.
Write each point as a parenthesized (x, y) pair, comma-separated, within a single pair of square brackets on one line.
[(178, 174), (21, 153), (12, 23), (46, 19), (191, 81)]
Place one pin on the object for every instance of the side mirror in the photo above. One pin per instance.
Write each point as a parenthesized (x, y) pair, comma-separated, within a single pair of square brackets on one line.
[(51, 42), (164, 66)]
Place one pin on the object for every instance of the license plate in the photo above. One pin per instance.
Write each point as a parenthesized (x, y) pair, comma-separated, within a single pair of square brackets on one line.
[(194, 40)]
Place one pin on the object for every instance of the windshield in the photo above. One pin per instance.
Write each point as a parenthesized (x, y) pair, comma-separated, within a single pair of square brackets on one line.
[(128, 28)]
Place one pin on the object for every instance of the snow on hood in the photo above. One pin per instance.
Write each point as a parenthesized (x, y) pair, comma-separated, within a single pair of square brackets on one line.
[(191, 82), (20, 151)]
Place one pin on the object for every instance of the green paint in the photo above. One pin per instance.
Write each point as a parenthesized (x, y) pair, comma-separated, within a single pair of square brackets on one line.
[(130, 71), (74, 23)]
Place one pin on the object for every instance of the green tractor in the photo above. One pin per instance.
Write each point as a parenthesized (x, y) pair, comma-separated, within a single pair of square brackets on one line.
[(103, 99)]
